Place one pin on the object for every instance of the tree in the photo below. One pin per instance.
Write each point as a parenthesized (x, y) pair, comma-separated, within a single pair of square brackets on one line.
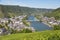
[(13, 31), (26, 31), (1, 26), (56, 27)]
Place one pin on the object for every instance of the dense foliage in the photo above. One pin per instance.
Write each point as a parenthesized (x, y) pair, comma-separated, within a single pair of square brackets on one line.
[(56, 27), (44, 35), (26, 31), (55, 13)]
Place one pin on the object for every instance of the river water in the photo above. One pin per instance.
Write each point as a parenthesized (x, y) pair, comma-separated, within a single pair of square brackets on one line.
[(39, 26)]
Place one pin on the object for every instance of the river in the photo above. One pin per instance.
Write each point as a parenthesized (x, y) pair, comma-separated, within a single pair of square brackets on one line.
[(39, 26)]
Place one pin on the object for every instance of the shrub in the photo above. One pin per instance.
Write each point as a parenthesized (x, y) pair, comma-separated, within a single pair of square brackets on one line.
[(54, 37), (56, 27), (26, 31)]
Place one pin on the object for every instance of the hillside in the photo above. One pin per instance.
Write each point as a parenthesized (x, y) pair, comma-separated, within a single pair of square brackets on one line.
[(55, 13), (44, 35), (15, 10)]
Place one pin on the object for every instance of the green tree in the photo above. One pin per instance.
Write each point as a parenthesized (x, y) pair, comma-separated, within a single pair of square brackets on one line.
[(56, 27), (1, 26), (26, 31), (13, 31)]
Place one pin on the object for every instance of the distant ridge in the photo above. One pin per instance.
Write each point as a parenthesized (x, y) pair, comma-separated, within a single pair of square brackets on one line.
[(15, 10)]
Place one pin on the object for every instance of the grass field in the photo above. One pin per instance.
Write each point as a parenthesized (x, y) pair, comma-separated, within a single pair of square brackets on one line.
[(44, 35)]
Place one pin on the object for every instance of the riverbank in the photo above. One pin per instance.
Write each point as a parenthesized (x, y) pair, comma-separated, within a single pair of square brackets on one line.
[(47, 24), (44, 22)]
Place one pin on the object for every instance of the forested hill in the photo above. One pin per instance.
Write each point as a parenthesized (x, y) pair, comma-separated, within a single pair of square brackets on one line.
[(55, 13), (15, 10)]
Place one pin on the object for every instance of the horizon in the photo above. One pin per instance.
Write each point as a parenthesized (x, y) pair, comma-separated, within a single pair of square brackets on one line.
[(28, 7), (51, 4)]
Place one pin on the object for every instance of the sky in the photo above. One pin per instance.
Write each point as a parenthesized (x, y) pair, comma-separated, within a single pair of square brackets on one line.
[(53, 4)]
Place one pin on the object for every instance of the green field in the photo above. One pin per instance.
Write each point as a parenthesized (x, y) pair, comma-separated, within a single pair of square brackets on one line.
[(44, 35)]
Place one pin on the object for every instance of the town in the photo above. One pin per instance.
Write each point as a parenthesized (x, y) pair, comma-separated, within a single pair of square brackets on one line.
[(51, 21), (14, 23)]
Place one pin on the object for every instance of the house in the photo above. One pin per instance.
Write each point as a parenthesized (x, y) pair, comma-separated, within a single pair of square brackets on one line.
[(2, 31)]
